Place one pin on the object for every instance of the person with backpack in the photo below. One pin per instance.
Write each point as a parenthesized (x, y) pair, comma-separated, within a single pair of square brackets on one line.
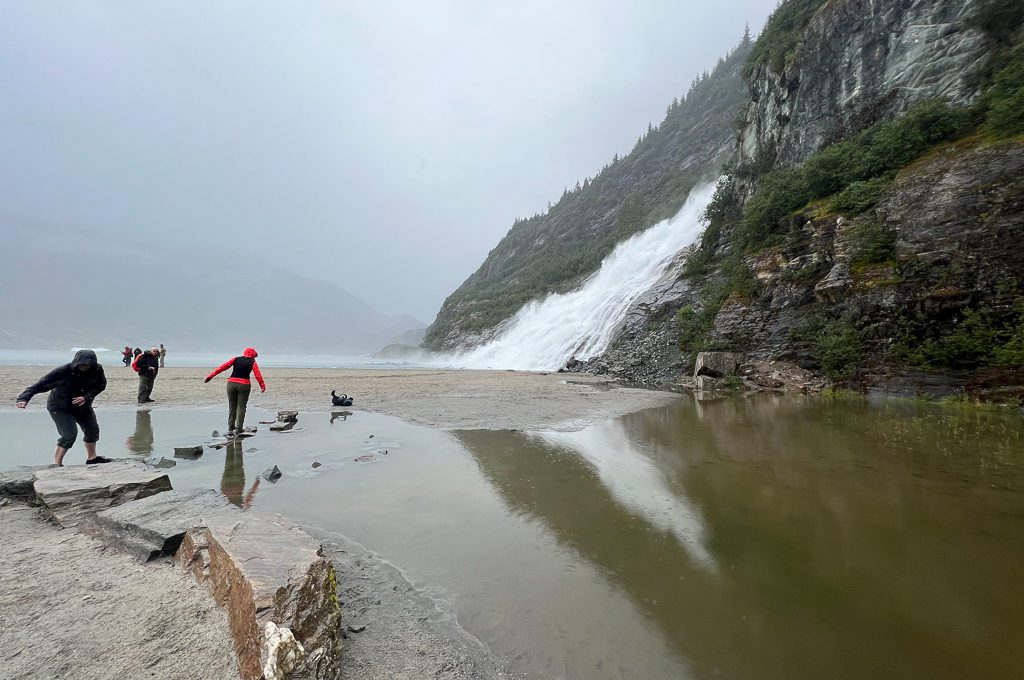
[(147, 365), (239, 386), (72, 388)]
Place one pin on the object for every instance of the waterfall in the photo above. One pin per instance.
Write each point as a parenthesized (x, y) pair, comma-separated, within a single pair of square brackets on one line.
[(545, 334)]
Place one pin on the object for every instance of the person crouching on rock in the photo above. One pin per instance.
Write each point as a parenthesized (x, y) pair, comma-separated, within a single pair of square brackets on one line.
[(239, 386), (72, 388)]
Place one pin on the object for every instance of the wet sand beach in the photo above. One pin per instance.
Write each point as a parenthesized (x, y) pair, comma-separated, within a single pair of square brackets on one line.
[(408, 636), (449, 399)]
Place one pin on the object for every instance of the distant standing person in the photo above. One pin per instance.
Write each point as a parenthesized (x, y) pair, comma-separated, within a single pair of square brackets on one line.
[(163, 354), (126, 356), (147, 365), (239, 386), (72, 388)]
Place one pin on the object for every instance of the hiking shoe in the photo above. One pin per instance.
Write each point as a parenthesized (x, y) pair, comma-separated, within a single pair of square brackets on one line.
[(150, 400), (98, 459)]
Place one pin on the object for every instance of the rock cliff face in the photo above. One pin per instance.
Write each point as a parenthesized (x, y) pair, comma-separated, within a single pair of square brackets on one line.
[(860, 61), (944, 275), (954, 217)]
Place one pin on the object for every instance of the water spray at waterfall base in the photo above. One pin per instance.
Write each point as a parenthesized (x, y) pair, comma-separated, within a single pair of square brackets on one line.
[(544, 334)]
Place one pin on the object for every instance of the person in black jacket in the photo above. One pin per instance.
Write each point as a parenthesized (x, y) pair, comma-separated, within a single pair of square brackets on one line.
[(72, 388), (147, 365)]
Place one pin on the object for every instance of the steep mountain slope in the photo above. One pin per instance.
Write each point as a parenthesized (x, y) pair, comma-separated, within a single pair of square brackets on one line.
[(62, 289), (870, 228), (556, 250)]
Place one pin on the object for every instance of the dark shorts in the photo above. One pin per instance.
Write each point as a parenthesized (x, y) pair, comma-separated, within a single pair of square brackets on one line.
[(67, 423)]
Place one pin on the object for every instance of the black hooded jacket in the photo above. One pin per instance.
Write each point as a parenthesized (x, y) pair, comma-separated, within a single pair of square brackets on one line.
[(66, 382)]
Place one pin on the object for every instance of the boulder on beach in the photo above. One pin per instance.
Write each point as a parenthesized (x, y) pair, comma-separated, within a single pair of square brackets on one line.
[(717, 364), (154, 527), (262, 568), (72, 493)]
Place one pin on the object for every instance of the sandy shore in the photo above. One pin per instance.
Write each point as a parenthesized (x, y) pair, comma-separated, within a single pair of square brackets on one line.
[(76, 610), (447, 399)]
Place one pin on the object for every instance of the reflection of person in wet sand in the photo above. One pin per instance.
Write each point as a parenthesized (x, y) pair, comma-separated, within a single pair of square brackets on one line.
[(142, 439), (343, 415), (232, 482)]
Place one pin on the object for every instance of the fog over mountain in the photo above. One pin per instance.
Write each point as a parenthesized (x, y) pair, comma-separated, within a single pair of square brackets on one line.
[(64, 289), (385, 147)]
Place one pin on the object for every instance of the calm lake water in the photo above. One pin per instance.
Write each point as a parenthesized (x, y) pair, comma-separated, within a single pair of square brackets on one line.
[(770, 537)]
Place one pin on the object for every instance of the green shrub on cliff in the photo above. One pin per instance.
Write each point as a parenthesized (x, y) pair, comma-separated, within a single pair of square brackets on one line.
[(867, 160), (1004, 100), (860, 196), (981, 336), (840, 349), (872, 243), (781, 35)]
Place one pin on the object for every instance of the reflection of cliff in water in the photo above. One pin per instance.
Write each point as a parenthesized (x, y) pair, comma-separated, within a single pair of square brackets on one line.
[(643, 558), (882, 535), (637, 484), (232, 481), (141, 441)]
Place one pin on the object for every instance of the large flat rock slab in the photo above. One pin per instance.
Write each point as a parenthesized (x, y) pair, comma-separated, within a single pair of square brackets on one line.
[(74, 492), (16, 484), (154, 527), (264, 568)]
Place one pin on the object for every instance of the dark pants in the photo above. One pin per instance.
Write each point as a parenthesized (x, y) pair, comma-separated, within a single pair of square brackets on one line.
[(145, 387), (238, 398), (67, 426)]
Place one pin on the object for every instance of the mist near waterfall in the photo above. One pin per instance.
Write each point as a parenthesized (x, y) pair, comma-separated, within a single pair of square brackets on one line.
[(580, 324)]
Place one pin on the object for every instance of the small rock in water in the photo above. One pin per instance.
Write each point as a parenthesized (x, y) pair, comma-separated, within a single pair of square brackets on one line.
[(272, 474), (356, 628), (365, 459), (370, 437), (282, 426), (188, 451), (262, 422), (316, 463), (215, 433), (285, 416)]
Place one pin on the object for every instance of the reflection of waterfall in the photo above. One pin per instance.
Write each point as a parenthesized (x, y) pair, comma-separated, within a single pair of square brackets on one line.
[(635, 482), (545, 334)]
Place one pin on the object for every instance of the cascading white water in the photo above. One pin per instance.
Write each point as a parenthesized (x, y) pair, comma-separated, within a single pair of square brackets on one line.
[(545, 334)]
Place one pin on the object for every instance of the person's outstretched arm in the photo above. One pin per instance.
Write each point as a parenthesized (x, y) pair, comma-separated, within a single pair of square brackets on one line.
[(44, 384), (259, 376), (220, 369)]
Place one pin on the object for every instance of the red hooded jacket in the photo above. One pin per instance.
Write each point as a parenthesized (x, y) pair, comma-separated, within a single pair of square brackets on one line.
[(241, 368)]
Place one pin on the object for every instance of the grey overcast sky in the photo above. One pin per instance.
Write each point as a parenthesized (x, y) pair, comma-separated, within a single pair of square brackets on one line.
[(385, 146)]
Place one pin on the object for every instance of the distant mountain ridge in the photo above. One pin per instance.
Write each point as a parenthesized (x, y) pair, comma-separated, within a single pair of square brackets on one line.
[(62, 289)]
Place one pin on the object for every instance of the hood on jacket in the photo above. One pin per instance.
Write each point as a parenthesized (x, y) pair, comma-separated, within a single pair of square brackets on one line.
[(84, 358), (250, 352)]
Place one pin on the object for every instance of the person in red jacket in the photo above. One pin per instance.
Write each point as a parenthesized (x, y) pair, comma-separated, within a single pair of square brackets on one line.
[(239, 386)]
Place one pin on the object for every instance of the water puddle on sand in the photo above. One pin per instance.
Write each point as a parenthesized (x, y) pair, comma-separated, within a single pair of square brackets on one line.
[(749, 538)]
